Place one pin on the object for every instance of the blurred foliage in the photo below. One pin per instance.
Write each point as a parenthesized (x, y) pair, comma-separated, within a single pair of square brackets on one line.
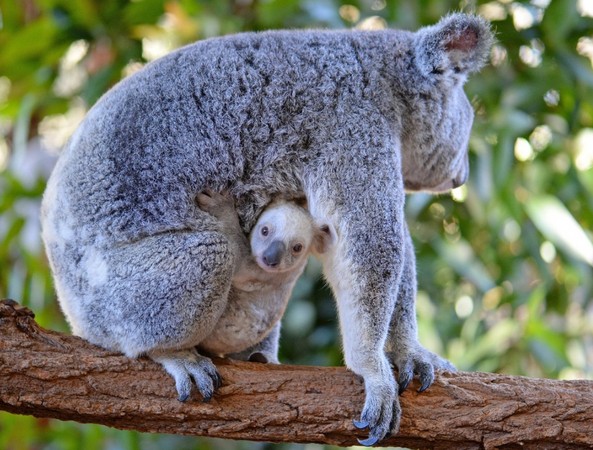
[(504, 263)]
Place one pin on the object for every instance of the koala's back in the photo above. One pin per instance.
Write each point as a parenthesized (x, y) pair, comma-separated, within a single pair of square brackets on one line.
[(234, 113)]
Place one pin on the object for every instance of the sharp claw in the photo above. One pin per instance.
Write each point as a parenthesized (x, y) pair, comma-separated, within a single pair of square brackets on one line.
[(423, 387), (404, 382), (370, 441), (402, 387), (217, 381), (426, 379), (405, 376), (360, 424), (207, 397), (183, 397)]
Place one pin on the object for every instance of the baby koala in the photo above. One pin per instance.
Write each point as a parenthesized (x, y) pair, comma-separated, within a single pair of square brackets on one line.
[(268, 266)]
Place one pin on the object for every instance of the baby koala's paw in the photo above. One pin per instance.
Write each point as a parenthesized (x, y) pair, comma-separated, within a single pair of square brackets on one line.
[(220, 205), (417, 360), (185, 365)]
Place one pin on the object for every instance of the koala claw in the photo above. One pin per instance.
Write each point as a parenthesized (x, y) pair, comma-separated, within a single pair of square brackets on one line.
[(426, 375), (424, 370), (369, 442), (218, 381), (404, 379), (372, 439), (360, 424), (185, 365), (381, 413), (421, 362)]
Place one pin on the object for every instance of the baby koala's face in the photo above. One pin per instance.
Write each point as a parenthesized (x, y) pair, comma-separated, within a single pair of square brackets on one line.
[(282, 237)]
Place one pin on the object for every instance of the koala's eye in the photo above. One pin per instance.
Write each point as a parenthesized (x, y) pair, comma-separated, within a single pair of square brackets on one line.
[(265, 231), (297, 248)]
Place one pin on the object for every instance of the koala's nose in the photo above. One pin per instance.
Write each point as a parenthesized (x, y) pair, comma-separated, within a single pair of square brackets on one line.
[(273, 254), (462, 176), (459, 180)]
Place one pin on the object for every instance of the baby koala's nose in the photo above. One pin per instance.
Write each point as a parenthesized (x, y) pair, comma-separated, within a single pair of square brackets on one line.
[(273, 254)]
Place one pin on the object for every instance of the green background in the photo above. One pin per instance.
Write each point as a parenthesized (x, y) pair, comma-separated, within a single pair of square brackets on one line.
[(504, 264)]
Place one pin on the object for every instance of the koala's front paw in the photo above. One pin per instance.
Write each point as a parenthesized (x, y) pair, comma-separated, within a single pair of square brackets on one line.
[(183, 365), (381, 413), (420, 361)]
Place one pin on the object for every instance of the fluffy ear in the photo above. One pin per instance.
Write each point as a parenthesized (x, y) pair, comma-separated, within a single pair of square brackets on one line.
[(324, 238), (301, 201), (459, 43)]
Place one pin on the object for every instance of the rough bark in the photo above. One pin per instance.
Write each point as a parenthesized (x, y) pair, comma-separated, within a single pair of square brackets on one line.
[(48, 374)]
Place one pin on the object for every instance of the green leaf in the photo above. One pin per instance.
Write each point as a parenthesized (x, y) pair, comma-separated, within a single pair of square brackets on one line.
[(578, 66), (559, 19), (495, 341), (462, 258), (21, 127), (143, 12), (558, 225), (82, 12), (32, 41)]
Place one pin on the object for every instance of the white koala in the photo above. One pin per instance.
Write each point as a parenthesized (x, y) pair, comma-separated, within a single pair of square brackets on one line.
[(279, 245)]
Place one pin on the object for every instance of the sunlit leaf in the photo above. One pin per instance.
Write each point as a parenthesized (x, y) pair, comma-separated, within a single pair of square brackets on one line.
[(461, 257), (555, 222), (559, 18), (29, 42), (141, 12), (578, 66), (494, 342)]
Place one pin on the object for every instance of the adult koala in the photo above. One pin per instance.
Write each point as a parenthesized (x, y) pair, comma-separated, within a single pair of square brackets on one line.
[(348, 118)]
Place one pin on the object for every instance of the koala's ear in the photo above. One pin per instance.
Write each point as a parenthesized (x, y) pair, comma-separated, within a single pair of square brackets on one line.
[(324, 238), (301, 201), (459, 43)]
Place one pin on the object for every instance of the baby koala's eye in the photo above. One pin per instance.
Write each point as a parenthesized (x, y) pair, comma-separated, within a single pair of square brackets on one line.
[(297, 248), (265, 231)]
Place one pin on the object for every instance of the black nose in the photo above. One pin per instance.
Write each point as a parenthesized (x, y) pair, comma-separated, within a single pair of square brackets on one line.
[(459, 180), (273, 254), (463, 173)]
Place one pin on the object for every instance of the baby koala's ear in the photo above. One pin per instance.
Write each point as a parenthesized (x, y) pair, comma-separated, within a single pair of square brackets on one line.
[(458, 43), (301, 201), (325, 237)]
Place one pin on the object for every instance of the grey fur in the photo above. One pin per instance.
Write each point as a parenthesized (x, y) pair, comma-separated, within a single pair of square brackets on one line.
[(347, 118)]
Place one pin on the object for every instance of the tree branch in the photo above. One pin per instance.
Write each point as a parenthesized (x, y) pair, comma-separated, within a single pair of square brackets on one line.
[(48, 374)]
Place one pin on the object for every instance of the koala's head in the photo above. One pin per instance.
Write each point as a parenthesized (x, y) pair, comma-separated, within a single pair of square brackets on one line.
[(284, 236), (437, 118)]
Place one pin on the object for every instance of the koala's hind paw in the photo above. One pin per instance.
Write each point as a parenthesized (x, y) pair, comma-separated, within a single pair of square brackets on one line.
[(418, 361), (185, 365), (381, 413), (260, 356)]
